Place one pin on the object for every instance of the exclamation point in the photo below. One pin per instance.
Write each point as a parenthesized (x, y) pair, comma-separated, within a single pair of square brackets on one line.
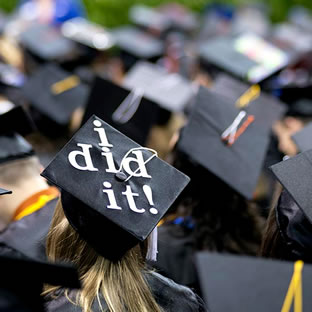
[(148, 193)]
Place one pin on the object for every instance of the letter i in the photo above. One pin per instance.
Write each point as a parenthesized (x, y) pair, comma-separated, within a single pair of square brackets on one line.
[(111, 197), (102, 134)]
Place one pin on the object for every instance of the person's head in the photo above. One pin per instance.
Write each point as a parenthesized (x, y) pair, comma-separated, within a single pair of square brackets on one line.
[(224, 219), (120, 282), (22, 176), (288, 233)]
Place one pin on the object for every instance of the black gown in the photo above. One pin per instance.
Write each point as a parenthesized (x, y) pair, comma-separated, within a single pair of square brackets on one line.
[(169, 296), (28, 235)]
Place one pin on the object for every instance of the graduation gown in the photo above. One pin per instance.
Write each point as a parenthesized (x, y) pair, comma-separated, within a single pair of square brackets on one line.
[(27, 235), (169, 296)]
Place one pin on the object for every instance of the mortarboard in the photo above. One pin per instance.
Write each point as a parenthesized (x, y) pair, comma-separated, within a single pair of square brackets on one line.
[(207, 139), (4, 192), (303, 138), (82, 31), (128, 111), (266, 108), (47, 42), (114, 192), (22, 282), (149, 19), (293, 211), (138, 43), (247, 56), (55, 93), (170, 91), (236, 283), (13, 124)]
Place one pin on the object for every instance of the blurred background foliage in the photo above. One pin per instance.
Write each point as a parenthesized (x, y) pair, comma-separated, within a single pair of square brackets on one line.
[(112, 13)]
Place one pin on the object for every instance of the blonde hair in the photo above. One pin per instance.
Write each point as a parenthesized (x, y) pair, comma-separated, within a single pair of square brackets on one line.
[(121, 283)]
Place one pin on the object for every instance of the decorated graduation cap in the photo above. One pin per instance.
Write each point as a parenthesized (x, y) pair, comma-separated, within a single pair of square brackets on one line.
[(22, 282), (171, 91), (4, 192), (114, 192), (294, 211), (13, 125), (266, 108), (303, 138), (138, 43), (226, 141), (247, 283), (46, 42), (127, 110), (82, 31), (55, 93), (247, 56)]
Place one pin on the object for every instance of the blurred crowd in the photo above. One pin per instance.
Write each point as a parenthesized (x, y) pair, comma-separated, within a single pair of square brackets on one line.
[(145, 167)]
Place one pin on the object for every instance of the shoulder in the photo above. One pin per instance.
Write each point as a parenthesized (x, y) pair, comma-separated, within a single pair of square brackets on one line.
[(172, 296)]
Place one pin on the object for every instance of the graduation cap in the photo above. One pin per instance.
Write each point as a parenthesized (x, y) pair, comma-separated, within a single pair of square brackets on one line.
[(22, 282), (47, 42), (149, 18), (82, 31), (13, 125), (113, 190), (225, 141), (170, 91), (128, 111), (247, 56), (266, 108), (4, 192), (303, 138), (138, 43), (55, 93), (236, 283), (293, 212)]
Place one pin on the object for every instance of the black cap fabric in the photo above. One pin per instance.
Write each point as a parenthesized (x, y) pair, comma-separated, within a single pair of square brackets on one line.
[(13, 147), (238, 165), (4, 192), (295, 174), (16, 120), (22, 282), (266, 108), (129, 112), (138, 43), (82, 31), (233, 283), (55, 93), (112, 188), (46, 42), (303, 138), (246, 56), (169, 91)]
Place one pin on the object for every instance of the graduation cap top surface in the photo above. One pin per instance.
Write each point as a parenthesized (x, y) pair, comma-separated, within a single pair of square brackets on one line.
[(13, 124), (46, 42), (20, 288), (81, 30), (295, 174), (129, 112), (4, 192), (266, 108), (236, 283), (55, 93), (170, 91), (112, 187), (137, 42), (238, 165), (303, 138), (246, 56)]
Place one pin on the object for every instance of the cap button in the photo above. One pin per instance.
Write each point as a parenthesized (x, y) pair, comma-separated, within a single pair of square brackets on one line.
[(120, 176)]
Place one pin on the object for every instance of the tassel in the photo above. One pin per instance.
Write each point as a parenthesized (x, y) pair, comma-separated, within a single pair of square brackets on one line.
[(152, 246)]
